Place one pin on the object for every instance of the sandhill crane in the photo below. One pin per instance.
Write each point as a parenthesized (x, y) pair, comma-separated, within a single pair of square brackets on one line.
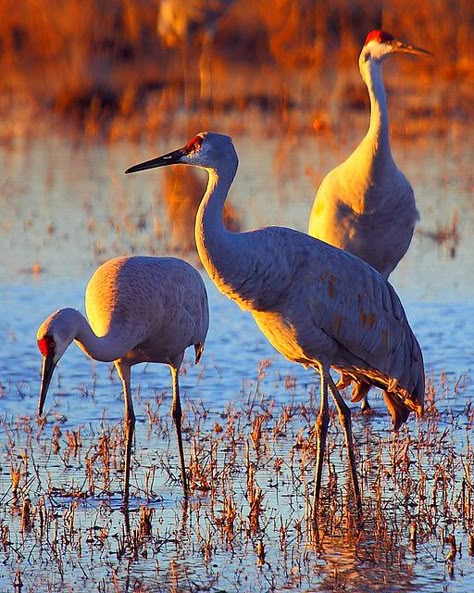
[(317, 305), (140, 309), (366, 205), (177, 19)]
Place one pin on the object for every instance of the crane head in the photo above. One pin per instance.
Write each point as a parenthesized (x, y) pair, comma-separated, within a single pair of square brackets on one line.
[(206, 150), (380, 44), (53, 337)]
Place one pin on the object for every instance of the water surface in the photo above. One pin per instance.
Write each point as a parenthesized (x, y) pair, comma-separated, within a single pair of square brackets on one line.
[(65, 209)]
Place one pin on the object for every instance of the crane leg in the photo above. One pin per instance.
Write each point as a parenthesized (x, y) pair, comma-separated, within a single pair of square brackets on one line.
[(176, 413), (321, 431), (344, 414), (129, 426)]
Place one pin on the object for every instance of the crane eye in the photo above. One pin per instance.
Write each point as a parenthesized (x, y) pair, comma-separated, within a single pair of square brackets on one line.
[(46, 345), (193, 145)]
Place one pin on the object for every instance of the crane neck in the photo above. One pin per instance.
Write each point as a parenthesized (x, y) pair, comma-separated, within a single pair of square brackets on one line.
[(377, 139), (104, 348), (215, 244)]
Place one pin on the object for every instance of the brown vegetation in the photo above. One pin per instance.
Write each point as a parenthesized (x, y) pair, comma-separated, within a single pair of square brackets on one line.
[(120, 66), (252, 480)]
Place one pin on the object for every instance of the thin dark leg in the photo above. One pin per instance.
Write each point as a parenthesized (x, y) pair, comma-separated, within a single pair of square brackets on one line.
[(176, 413), (129, 427), (344, 414), (321, 431)]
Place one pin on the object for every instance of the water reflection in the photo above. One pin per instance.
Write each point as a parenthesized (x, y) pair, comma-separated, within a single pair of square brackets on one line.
[(67, 207)]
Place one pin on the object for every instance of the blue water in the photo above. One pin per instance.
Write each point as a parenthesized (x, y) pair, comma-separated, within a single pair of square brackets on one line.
[(65, 209)]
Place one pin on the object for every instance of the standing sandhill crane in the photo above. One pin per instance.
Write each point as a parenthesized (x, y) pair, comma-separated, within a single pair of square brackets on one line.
[(140, 309), (366, 205), (317, 305)]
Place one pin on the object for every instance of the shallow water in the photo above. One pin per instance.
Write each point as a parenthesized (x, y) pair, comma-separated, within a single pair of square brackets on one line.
[(68, 207)]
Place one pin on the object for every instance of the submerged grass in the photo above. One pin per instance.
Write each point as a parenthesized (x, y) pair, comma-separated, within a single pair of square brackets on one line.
[(245, 526)]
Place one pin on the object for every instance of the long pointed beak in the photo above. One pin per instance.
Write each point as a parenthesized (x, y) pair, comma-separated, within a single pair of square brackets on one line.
[(171, 158), (47, 370), (405, 48)]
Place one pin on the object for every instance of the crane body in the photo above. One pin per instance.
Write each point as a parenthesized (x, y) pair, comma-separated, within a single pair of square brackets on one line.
[(316, 304), (378, 222), (139, 309)]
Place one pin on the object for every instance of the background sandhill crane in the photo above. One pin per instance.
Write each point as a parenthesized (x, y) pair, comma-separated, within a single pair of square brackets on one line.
[(182, 191), (140, 309), (176, 20), (366, 205), (317, 305)]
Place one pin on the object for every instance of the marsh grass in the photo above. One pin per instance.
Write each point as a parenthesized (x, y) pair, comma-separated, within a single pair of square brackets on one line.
[(251, 472)]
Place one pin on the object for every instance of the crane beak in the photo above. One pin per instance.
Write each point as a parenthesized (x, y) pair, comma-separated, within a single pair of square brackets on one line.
[(47, 370), (405, 48), (167, 159)]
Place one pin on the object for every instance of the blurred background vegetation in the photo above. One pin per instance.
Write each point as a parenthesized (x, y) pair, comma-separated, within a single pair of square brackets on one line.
[(114, 68)]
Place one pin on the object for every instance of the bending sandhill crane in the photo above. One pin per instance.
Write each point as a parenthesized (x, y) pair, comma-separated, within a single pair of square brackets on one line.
[(317, 305), (140, 309), (366, 205)]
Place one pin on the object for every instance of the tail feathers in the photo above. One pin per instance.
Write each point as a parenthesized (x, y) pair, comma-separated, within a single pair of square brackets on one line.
[(399, 401), (359, 391), (344, 381), (198, 349), (397, 409)]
